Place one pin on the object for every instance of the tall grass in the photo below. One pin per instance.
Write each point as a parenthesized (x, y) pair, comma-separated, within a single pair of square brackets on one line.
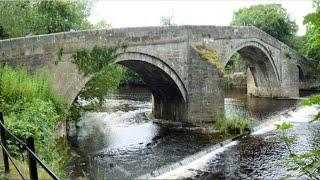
[(231, 126), (31, 108), (17, 85), (221, 124)]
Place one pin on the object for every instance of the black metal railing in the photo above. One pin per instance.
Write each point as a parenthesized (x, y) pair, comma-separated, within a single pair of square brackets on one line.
[(33, 159)]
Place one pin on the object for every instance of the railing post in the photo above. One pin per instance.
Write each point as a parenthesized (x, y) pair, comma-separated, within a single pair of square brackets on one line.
[(32, 162), (4, 143)]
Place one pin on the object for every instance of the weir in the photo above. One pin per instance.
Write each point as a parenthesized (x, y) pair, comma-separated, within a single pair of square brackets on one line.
[(122, 143)]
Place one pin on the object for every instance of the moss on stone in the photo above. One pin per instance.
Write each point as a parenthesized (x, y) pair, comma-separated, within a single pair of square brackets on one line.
[(209, 54)]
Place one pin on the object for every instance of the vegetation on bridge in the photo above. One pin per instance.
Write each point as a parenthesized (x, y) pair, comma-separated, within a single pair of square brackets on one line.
[(106, 76), (211, 55)]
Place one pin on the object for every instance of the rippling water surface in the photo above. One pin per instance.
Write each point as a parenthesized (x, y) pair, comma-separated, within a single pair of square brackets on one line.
[(121, 142)]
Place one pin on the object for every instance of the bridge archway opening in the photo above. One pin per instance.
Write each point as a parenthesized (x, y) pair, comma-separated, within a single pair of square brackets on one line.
[(257, 70), (169, 98), (301, 75)]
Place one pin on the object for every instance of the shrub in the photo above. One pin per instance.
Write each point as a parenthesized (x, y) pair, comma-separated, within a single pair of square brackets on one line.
[(31, 109), (231, 126), (311, 101)]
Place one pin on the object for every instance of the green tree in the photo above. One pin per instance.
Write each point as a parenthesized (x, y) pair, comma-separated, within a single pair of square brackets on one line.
[(59, 16), (167, 21), (312, 46), (17, 18), (271, 18), (21, 18)]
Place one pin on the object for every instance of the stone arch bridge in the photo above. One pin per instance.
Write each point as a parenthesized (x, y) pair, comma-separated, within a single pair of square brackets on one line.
[(184, 86)]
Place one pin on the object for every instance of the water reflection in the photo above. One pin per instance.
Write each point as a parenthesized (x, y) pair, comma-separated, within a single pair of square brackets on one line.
[(238, 104)]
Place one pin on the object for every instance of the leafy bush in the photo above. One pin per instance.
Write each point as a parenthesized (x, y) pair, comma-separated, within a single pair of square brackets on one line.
[(105, 77), (17, 86), (94, 60), (31, 109), (311, 101)]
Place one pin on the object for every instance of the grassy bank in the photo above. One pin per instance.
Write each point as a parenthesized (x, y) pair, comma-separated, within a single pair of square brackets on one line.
[(31, 108)]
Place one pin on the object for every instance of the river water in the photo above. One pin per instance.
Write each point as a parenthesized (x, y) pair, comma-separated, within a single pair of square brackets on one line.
[(120, 142)]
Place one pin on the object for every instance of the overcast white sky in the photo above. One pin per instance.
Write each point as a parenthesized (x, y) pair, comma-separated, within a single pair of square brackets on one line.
[(132, 13)]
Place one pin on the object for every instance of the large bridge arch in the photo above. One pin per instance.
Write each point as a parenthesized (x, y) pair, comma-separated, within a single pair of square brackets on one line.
[(263, 77), (169, 92)]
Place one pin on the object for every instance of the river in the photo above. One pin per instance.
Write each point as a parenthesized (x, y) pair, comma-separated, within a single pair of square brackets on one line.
[(120, 142)]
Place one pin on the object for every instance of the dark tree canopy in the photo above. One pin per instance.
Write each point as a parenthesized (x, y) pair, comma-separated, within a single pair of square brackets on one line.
[(271, 18)]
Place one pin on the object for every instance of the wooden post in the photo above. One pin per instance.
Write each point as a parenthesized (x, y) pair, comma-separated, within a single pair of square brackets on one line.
[(4, 145), (32, 162)]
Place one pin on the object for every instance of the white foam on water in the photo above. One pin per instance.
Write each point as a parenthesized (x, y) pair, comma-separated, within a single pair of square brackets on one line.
[(198, 164), (302, 115)]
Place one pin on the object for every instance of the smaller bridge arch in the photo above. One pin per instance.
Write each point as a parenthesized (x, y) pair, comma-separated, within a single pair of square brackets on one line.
[(169, 92), (259, 46), (263, 76)]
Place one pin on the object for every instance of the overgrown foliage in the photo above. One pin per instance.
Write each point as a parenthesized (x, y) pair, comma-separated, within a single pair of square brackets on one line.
[(32, 109), (105, 77), (211, 55), (94, 60), (231, 126), (271, 18), (102, 83)]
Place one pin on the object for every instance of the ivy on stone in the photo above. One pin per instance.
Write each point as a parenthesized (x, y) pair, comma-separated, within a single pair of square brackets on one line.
[(91, 61)]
